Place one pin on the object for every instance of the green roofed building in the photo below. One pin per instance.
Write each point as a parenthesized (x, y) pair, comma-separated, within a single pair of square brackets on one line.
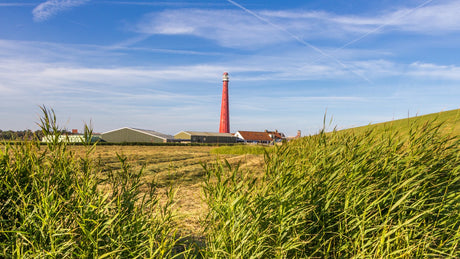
[(132, 135), (205, 137)]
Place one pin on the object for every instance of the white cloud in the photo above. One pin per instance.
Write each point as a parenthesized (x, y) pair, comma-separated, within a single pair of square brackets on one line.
[(439, 18), (237, 28), (325, 99), (56, 68), (229, 28), (425, 18), (433, 71), (15, 4), (51, 7)]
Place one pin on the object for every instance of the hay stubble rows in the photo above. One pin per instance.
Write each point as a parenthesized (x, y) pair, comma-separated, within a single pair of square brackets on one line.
[(177, 166)]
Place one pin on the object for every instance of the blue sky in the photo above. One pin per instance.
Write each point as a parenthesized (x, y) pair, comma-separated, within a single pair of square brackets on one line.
[(158, 64)]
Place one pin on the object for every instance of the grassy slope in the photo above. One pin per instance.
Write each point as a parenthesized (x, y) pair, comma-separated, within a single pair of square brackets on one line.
[(450, 119), (381, 191)]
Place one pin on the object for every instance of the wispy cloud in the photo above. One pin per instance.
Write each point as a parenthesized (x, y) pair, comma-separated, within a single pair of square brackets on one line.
[(19, 70), (439, 18), (434, 71), (236, 28), (162, 3), (51, 7), (425, 18), (15, 4), (230, 28), (324, 98)]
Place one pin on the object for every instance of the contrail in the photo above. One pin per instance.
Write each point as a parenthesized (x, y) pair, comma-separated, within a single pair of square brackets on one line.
[(378, 28), (298, 39)]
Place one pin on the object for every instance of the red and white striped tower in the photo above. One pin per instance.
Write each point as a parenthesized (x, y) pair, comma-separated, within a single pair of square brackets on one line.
[(224, 115)]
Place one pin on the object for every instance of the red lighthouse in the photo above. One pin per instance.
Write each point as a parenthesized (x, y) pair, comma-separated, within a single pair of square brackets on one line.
[(224, 115)]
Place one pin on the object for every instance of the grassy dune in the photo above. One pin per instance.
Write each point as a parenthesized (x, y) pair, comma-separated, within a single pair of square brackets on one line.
[(381, 191), (450, 121)]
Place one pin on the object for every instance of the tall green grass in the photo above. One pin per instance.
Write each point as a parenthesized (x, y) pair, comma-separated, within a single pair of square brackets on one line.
[(365, 194), (52, 205)]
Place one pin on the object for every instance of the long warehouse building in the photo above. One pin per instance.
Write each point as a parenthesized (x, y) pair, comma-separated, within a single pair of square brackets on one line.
[(205, 137), (132, 135)]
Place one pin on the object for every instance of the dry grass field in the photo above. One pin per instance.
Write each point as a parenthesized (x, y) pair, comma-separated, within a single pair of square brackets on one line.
[(177, 166)]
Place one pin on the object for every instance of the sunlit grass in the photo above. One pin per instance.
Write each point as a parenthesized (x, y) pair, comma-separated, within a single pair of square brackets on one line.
[(372, 193), (242, 149), (450, 123)]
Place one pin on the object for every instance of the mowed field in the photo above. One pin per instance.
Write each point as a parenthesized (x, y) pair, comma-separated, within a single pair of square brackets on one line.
[(180, 167)]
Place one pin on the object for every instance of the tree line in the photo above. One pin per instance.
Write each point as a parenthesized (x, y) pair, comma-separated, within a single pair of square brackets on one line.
[(24, 134), (20, 134)]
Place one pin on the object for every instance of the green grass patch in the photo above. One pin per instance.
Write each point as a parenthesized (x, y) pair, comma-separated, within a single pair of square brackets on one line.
[(241, 150)]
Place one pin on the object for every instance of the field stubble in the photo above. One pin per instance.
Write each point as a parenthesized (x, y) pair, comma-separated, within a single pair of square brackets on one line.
[(177, 166)]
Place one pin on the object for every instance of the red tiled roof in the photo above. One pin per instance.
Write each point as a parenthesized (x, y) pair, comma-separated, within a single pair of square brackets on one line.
[(255, 136), (276, 134)]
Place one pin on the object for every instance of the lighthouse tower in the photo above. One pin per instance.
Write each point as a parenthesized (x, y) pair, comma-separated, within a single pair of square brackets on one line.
[(224, 115)]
